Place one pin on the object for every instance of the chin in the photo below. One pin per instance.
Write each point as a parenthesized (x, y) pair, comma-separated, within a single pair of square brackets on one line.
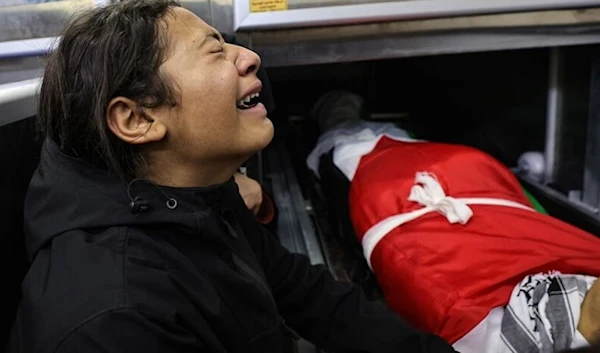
[(265, 138), (257, 138)]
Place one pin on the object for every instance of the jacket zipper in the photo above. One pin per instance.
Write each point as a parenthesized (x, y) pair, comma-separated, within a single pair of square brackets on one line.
[(254, 276), (260, 281), (257, 279)]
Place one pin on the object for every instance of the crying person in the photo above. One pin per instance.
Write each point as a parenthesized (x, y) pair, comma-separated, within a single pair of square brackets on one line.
[(138, 236)]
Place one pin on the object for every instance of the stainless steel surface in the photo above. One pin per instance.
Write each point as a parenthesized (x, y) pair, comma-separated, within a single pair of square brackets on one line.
[(7, 3), (20, 69), (18, 100), (221, 13), (554, 111), (417, 44), (575, 196), (199, 7), (295, 229), (217, 13), (31, 30), (307, 4), (427, 37), (591, 176), (245, 20), (559, 197), (37, 20), (27, 47), (564, 21)]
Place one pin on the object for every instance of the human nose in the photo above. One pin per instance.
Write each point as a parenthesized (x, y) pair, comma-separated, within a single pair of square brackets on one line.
[(247, 61)]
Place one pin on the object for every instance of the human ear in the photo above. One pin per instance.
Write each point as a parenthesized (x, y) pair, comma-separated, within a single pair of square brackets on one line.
[(132, 124)]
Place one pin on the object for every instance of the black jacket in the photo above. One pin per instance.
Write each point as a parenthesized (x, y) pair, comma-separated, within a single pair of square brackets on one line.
[(142, 268)]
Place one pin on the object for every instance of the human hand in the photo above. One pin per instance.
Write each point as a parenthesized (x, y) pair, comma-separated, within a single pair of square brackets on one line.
[(589, 321), (250, 190)]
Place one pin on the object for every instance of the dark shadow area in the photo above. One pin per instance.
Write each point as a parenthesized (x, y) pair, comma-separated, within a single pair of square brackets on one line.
[(19, 157)]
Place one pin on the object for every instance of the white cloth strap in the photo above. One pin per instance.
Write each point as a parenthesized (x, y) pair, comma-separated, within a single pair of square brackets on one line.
[(428, 192)]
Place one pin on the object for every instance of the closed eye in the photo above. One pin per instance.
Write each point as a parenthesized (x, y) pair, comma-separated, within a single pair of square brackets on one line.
[(216, 36)]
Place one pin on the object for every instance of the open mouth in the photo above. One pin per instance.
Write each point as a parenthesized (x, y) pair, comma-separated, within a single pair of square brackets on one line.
[(248, 102)]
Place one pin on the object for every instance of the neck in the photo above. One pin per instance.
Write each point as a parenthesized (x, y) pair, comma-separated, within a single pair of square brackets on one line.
[(199, 174)]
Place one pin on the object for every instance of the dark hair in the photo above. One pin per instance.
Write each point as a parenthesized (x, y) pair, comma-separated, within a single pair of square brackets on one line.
[(104, 53)]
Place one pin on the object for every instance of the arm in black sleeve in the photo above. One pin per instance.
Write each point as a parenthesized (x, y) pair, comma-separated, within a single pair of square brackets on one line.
[(126, 331), (334, 315)]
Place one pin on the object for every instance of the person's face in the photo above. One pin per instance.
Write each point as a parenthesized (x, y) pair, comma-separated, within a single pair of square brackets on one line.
[(216, 117)]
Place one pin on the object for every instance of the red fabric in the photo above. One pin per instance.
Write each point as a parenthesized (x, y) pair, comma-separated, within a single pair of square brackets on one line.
[(445, 278)]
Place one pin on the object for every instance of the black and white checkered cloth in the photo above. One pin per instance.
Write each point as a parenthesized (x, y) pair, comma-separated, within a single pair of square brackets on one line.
[(543, 314)]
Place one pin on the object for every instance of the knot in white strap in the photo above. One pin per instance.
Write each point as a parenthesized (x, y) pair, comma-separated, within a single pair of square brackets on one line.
[(428, 192)]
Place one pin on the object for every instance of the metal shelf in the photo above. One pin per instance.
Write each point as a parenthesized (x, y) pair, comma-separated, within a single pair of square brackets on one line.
[(18, 100), (367, 12)]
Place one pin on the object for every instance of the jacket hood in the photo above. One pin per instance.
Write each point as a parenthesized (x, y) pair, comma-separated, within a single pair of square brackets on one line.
[(67, 193)]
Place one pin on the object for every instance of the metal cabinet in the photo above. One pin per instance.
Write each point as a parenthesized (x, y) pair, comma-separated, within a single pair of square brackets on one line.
[(250, 15), (31, 27)]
